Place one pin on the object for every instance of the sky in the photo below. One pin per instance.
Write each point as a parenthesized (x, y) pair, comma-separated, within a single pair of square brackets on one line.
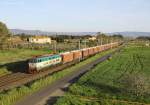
[(76, 15)]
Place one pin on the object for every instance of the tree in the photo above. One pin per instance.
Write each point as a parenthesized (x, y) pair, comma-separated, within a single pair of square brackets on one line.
[(143, 38), (4, 32), (100, 35), (103, 38), (118, 36)]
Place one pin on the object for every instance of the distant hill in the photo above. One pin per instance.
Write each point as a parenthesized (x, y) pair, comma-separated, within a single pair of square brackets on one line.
[(38, 32), (29, 32), (132, 34)]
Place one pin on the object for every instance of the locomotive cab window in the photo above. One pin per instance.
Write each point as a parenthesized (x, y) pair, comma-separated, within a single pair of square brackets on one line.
[(39, 60), (32, 61)]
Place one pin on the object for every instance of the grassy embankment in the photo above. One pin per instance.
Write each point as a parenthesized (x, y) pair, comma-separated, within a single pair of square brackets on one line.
[(122, 80), (13, 95), (9, 59)]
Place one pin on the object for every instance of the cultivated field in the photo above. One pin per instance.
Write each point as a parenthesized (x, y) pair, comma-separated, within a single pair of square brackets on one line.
[(122, 80)]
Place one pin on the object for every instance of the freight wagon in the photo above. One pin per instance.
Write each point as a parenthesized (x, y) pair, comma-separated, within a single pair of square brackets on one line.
[(85, 53), (102, 47), (95, 50), (91, 51), (77, 54), (98, 48), (67, 57), (39, 63)]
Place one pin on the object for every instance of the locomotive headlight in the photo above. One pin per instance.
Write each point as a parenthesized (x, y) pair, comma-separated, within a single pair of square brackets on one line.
[(31, 65)]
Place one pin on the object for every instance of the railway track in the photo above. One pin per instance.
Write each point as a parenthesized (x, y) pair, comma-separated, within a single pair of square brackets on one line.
[(17, 79)]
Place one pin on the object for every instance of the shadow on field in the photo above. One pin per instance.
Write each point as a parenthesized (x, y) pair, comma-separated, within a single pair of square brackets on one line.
[(20, 66), (52, 100), (105, 88)]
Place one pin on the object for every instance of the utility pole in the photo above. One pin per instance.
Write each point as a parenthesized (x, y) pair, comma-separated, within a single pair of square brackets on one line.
[(55, 48), (79, 49), (79, 45), (101, 41), (107, 41), (85, 43), (97, 42), (111, 42)]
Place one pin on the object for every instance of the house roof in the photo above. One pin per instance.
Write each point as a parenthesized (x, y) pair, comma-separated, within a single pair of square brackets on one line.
[(40, 37)]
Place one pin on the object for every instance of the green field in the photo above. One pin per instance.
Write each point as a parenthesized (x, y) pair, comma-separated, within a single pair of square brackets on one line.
[(10, 58), (122, 80)]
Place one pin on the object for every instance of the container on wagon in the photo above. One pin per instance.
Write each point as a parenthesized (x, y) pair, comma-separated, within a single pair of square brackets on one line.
[(108, 46), (85, 53), (95, 50), (102, 47), (116, 44), (112, 45), (98, 49), (105, 47), (91, 51), (77, 54), (67, 57)]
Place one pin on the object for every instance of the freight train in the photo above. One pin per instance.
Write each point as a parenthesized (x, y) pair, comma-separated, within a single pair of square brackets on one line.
[(39, 63)]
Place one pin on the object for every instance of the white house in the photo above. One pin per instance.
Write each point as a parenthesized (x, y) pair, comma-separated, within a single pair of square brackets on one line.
[(40, 39), (92, 38)]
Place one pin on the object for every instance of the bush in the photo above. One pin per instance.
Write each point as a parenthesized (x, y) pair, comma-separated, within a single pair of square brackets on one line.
[(136, 84)]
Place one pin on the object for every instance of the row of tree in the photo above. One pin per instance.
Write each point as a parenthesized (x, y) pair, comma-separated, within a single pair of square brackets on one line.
[(143, 38), (5, 34)]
